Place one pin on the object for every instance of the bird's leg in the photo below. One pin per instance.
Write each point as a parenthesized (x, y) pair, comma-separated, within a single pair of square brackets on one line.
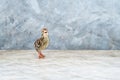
[(40, 55)]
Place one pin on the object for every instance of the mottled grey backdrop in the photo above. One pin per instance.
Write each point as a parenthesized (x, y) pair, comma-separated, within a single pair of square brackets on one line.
[(72, 24)]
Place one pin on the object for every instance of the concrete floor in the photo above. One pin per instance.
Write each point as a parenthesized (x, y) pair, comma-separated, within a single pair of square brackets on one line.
[(60, 65)]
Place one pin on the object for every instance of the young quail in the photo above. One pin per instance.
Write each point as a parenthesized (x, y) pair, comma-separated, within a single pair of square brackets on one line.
[(42, 43)]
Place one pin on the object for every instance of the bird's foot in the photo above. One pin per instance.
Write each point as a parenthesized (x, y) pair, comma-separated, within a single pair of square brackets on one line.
[(41, 56)]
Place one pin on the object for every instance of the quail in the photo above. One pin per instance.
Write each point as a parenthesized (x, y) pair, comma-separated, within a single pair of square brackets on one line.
[(42, 42)]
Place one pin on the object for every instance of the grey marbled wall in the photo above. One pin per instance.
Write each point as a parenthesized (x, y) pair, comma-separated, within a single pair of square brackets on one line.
[(72, 24)]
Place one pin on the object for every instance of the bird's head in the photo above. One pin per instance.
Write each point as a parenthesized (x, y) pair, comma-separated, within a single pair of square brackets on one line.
[(44, 32)]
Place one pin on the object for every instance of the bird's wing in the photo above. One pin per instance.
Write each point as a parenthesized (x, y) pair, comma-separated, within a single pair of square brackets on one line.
[(38, 43)]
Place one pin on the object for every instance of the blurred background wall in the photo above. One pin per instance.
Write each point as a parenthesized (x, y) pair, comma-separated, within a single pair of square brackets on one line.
[(72, 24)]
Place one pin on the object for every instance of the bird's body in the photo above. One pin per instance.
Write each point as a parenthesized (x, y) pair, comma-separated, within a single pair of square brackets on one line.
[(42, 43)]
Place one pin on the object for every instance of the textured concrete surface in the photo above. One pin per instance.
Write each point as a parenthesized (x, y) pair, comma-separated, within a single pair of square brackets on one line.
[(60, 65)]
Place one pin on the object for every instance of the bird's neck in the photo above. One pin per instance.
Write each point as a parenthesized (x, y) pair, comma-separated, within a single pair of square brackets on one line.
[(44, 36)]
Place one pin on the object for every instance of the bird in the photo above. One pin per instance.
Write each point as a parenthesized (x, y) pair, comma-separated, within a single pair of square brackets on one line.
[(42, 42)]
